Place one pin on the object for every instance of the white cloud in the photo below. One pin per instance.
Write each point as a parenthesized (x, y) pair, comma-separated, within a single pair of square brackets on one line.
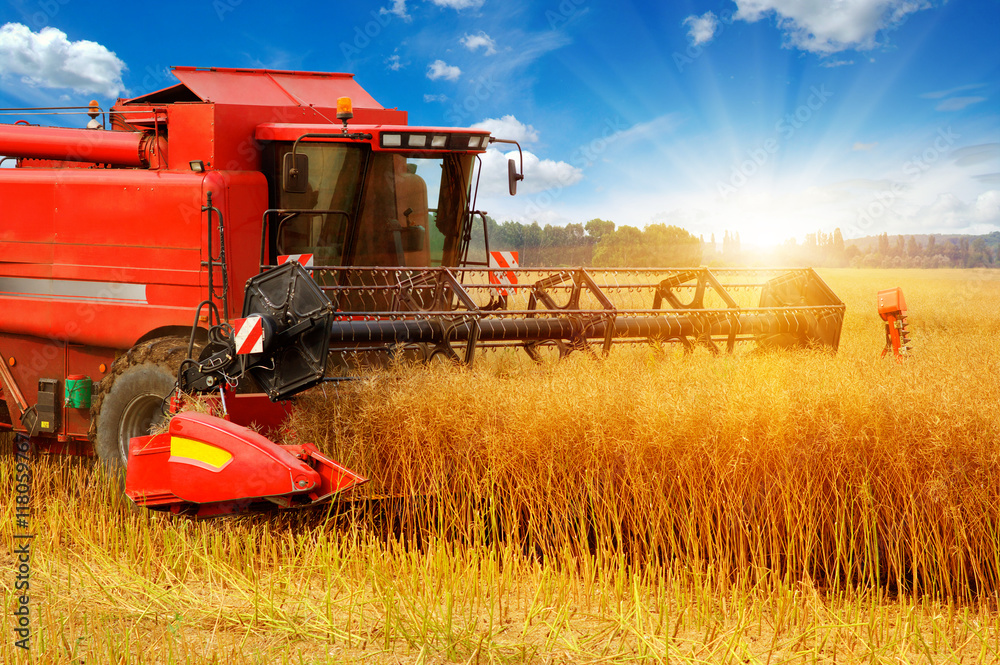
[(836, 63), (482, 40), (398, 8), (48, 59), (988, 178), (539, 174), (863, 147), (394, 63), (828, 27), (459, 4), (435, 98), (510, 67), (509, 127), (949, 212), (974, 155), (702, 28), (958, 103), (986, 209), (651, 130), (439, 69), (938, 94)]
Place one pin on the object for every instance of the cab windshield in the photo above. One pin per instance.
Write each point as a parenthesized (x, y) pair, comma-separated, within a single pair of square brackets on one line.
[(406, 211)]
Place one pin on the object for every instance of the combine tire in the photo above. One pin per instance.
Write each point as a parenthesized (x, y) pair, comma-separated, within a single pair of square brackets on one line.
[(130, 398)]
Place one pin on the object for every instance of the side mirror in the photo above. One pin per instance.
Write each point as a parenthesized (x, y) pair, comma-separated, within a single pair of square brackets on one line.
[(512, 176), (295, 173)]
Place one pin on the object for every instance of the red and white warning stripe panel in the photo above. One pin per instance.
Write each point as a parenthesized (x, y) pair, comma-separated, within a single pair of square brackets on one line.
[(305, 260), (503, 260), (249, 334)]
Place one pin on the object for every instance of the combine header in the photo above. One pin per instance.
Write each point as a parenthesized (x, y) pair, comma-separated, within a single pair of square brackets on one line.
[(453, 312), (243, 226)]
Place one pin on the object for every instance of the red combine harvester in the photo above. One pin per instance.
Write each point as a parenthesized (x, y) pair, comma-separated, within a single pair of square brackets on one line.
[(242, 227)]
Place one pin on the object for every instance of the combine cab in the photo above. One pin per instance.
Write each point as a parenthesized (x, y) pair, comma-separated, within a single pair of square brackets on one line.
[(239, 227)]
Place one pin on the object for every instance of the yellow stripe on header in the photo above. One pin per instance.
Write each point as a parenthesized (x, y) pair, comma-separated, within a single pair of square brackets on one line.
[(189, 450)]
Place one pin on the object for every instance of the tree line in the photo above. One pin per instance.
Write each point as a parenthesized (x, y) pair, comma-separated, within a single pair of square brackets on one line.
[(898, 251), (600, 242), (597, 242)]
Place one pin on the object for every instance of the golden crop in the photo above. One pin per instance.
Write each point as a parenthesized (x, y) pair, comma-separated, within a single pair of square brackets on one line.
[(764, 507), (845, 470)]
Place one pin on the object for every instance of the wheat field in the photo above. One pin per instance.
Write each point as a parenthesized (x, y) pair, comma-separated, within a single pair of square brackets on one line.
[(785, 507)]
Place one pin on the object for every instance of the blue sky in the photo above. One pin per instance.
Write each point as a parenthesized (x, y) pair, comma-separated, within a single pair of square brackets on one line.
[(773, 118)]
